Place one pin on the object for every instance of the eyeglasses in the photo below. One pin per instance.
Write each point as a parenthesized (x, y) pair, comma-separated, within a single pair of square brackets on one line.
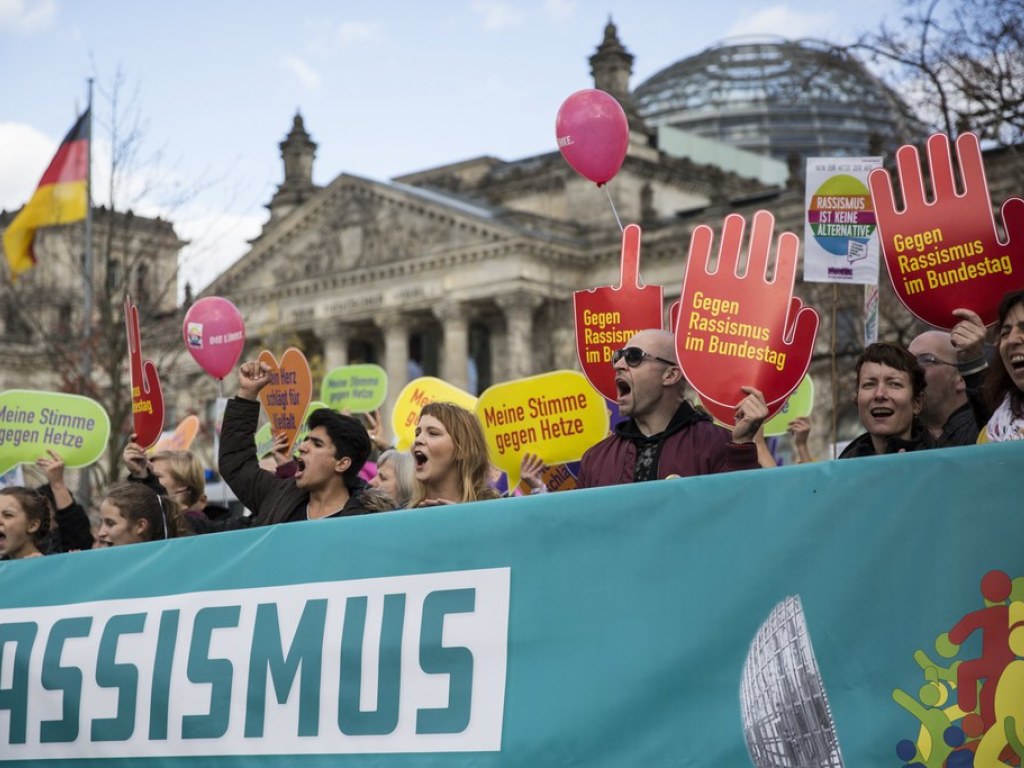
[(928, 358), (634, 356)]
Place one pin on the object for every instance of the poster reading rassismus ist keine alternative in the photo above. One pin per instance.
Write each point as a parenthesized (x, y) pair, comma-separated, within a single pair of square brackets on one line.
[(840, 238)]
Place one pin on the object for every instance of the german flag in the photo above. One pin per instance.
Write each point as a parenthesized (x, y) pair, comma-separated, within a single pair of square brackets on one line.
[(60, 198)]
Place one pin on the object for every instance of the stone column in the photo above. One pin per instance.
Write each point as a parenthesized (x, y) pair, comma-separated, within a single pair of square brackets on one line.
[(519, 307), (563, 342), (335, 339), (395, 327), (455, 323), (499, 352)]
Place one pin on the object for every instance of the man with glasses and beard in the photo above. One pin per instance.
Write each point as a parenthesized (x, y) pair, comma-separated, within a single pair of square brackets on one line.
[(663, 435)]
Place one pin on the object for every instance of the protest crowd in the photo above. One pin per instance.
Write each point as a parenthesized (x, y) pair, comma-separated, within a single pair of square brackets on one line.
[(945, 389)]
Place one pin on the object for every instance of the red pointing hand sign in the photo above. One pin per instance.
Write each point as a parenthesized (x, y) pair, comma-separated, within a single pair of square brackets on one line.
[(736, 330), (147, 397), (607, 317)]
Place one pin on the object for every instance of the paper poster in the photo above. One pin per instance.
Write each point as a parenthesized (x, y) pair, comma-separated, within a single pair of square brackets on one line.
[(840, 239)]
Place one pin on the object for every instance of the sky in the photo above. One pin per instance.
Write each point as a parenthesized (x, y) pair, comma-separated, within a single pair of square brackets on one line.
[(209, 89)]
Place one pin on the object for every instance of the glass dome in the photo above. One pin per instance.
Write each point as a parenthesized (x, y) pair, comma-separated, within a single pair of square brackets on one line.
[(779, 98)]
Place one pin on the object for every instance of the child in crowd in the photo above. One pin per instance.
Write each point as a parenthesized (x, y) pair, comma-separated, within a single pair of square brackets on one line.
[(131, 513), (24, 523)]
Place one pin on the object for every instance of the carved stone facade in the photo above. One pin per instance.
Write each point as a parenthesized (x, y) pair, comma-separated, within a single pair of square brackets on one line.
[(467, 271)]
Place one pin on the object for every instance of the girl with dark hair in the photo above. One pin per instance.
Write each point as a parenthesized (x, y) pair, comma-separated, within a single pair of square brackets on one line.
[(24, 523), (131, 513), (1004, 386)]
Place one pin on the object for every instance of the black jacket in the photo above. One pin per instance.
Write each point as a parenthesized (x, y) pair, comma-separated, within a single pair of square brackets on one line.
[(920, 440), (271, 499)]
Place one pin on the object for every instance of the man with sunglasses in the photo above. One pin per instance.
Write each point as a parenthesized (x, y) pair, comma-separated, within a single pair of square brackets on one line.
[(663, 435), (954, 363)]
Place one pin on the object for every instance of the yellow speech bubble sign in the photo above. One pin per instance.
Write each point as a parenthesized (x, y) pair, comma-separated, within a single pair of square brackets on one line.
[(557, 416), (414, 396)]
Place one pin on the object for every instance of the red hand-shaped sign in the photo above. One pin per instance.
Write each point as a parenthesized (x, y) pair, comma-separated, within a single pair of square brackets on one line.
[(946, 254), (607, 317), (147, 397), (743, 330)]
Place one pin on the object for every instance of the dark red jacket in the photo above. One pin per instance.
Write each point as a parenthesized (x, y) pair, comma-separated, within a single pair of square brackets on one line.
[(692, 444)]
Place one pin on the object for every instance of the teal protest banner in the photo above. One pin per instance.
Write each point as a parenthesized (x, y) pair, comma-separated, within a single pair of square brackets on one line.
[(858, 613)]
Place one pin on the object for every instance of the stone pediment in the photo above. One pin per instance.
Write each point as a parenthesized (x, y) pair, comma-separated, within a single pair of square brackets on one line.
[(357, 224)]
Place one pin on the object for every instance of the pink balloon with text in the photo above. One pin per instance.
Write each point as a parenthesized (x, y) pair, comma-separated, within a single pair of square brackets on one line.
[(214, 335), (593, 134)]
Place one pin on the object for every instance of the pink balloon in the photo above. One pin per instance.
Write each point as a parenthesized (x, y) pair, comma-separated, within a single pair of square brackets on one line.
[(593, 134), (214, 335)]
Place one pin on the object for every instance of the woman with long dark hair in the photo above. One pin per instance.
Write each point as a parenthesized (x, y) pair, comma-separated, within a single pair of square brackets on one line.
[(1004, 385)]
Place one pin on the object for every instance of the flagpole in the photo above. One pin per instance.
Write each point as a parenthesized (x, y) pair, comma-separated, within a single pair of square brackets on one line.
[(84, 486)]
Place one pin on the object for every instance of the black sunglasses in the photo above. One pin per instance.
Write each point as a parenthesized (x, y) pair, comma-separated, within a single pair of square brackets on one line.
[(634, 356)]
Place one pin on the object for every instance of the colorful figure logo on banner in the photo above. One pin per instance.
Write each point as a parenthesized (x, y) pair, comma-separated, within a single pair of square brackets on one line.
[(286, 398), (31, 422), (214, 334), (960, 720), (557, 416), (945, 254), (593, 134), (737, 330), (355, 388), (414, 396), (607, 317), (147, 396)]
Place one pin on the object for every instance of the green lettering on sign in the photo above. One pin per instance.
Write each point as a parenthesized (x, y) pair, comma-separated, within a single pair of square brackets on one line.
[(216, 672), (437, 659), (307, 649), (66, 679), (353, 721), (124, 677)]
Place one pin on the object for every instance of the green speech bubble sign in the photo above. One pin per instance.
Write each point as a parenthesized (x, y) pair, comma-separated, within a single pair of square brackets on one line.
[(799, 404), (355, 388), (75, 427), (265, 440)]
